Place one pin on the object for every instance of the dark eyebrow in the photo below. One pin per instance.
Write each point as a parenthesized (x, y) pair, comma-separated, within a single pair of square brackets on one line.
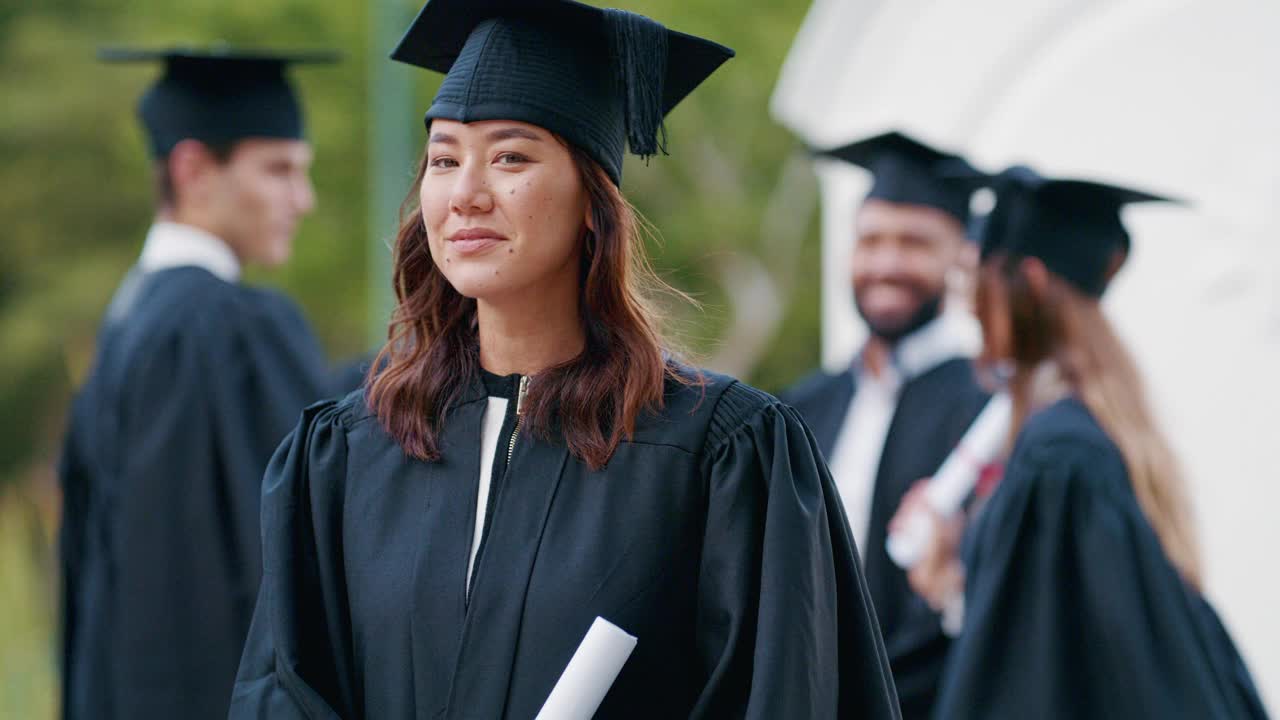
[(508, 133), (442, 138)]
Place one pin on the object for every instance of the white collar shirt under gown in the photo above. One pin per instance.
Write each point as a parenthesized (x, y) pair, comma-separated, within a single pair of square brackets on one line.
[(855, 458)]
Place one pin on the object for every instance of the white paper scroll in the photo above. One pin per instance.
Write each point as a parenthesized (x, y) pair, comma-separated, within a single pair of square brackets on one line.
[(953, 614), (589, 674), (946, 492)]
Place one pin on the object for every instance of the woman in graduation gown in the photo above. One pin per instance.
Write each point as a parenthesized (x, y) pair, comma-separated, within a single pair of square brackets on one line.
[(1082, 586), (528, 458)]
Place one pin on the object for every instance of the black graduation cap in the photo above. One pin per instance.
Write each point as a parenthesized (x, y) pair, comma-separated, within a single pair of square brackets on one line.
[(905, 170), (600, 78), (218, 95), (1073, 226)]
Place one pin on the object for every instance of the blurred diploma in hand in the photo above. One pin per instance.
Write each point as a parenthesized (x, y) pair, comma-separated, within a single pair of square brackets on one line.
[(937, 574), (945, 493), (589, 674)]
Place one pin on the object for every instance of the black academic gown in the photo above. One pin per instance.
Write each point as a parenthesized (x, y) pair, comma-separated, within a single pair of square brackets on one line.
[(195, 383), (1072, 608), (934, 410), (714, 536)]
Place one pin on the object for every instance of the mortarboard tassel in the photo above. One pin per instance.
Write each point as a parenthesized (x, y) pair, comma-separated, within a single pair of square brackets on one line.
[(641, 48)]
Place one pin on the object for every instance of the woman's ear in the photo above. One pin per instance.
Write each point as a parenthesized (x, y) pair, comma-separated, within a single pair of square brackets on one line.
[(589, 221), (1037, 276), (1116, 262)]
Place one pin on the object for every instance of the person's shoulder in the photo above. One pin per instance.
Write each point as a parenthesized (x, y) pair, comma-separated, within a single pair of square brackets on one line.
[(235, 316), (264, 309), (954, 375), (267, 298), (189, 289), (737, 404), (701, 407), (1066, 442), (185, 303), (347, 423), (1066, 423), (315, 460), (349, 412), (951, 392), (179, 315), (196, 298)]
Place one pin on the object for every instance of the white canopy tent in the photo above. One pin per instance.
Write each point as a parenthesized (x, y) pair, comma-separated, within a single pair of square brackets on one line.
[(1175, 97)]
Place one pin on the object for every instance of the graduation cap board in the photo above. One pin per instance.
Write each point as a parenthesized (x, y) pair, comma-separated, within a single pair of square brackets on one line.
[(600, 78), (219, 95), (905, 170), (1073, 226)]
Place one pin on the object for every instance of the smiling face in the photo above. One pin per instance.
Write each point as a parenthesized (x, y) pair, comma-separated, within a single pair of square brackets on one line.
[(900, 262), (505, 209)]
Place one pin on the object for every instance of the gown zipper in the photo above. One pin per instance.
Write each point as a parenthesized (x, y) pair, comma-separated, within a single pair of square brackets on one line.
[(494, 485), (515, 432)]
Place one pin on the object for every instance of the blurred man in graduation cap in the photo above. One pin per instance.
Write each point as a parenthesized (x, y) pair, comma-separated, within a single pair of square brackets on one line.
[(1083, 589), (197, 379), (893, 416)]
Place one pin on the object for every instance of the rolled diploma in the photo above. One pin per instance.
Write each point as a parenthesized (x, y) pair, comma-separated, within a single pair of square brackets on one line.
[(953, 482), (589, 674)]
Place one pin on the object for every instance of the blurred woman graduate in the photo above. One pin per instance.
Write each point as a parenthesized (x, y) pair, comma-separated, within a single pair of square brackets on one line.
[(528, 457), (1081, 580)]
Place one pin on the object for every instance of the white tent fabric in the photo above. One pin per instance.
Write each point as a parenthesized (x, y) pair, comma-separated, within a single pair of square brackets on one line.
[(1177, 97)]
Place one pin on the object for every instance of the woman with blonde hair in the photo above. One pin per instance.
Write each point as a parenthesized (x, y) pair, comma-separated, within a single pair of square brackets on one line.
[(528, 464), (1081, 576)]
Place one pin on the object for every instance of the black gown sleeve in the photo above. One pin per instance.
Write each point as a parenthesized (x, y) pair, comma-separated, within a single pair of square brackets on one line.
[(185, 562), (785, 627), (1074, 611), (279, 369), (73, 475), (203, 411), (296, 661)]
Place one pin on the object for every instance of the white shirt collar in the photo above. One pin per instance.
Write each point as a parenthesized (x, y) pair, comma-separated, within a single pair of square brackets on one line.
[(954, 333), (855, 459), (171, 245)]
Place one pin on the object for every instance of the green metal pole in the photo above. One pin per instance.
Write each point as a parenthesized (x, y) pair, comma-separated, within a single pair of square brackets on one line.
[(392, 152)]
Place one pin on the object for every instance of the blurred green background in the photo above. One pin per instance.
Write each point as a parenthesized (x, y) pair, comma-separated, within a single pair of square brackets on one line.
[(735, 207)]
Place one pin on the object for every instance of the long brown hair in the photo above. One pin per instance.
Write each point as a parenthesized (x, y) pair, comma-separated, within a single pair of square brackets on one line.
[(593, 400), (1068, 328)]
